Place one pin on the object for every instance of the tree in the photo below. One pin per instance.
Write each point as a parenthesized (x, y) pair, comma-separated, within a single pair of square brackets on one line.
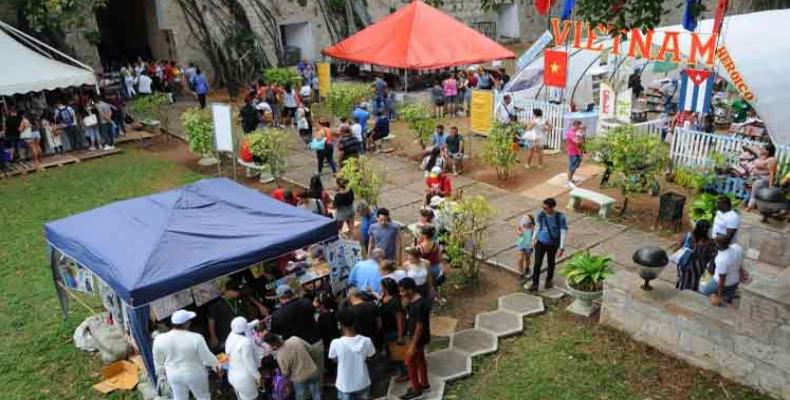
[(50, 20), (343, 96), (498, 151), (467, 230), (634, 160), (420, 120), (364, 178), (270, 145), (199, 130), (618, 14), (150, 109)]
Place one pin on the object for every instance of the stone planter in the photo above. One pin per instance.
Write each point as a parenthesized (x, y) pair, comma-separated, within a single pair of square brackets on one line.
[(583, 301), (651, 261)]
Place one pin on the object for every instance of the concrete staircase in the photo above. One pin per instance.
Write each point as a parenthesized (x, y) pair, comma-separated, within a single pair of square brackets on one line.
[(456, 361)]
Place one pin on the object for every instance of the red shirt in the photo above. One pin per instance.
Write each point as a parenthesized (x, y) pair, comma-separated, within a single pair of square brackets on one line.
[(441, 183), (279, 194)]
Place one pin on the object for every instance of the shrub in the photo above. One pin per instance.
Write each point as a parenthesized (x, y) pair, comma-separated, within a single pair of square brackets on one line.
[(635, 160), (465, 240), (703, 207), (586, 272), (498, 151), (199, 130), (364, 178), (150, 107), (343, 96), (283, 76), (270, 146), (420, 120)]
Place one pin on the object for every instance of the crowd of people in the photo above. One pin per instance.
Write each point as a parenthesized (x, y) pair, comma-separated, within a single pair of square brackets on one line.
[(146, 77), (57, 122), (452, 93)]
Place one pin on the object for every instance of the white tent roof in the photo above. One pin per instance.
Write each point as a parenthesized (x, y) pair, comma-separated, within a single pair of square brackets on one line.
[(29, 71), (755, 43)]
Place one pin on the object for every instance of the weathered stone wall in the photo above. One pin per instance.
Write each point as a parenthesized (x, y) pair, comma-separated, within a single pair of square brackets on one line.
[(749, 344)]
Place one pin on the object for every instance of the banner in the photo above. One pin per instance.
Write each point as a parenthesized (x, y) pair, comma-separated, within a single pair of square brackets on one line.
[(341, 255), (533, 51), (607, 102), (622, 111), (324, 78), (75, 277), (696, 90), (481, 111), (555, 69)]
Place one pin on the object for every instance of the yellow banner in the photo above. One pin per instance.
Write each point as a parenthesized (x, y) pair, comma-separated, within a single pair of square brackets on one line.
[(324, 78), (481, 111)]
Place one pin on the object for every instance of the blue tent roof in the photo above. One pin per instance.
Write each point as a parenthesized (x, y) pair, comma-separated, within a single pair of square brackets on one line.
[(149, 247)]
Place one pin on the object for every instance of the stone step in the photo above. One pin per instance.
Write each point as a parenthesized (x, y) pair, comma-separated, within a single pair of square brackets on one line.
[(500, 323), (521, 304), (396, 390), (449, 364), (474, 342)]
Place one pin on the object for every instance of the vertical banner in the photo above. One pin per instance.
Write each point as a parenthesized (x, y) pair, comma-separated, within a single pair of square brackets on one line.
[(324, 78), (623, 108), (607, 98), (223, 127), (481, 111), (555, 68), (533, 51)]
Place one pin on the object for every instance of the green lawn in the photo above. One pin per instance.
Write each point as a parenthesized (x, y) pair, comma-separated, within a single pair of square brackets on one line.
[(561, 357), (37, 356)]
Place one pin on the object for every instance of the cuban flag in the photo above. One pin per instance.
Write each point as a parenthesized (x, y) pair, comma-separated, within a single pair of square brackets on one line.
[(696, 90)]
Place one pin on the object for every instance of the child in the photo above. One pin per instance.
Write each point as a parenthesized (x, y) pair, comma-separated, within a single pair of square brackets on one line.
[(351, 351), (525, 230), (53, 136)]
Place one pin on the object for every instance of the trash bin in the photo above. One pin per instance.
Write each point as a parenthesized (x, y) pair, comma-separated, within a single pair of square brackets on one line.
[(670, 209)]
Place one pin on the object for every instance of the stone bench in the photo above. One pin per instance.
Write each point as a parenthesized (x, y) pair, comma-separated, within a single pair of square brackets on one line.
[(604, 202)]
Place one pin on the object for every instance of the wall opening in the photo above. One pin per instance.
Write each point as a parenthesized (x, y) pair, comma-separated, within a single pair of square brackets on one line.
[(298, 42)]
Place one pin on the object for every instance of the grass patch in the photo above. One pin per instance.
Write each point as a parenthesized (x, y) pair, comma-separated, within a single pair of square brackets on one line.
[(561, 357), (37, 357)]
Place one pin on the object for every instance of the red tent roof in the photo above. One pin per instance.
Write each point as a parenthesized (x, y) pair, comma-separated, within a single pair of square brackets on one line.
[(418, 36)]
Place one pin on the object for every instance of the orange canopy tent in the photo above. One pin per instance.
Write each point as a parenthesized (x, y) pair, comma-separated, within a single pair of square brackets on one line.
[(418, 36)]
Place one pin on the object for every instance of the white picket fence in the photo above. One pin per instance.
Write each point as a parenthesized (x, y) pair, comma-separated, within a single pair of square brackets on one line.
[(692, 148), (552, 113), (652, 127)]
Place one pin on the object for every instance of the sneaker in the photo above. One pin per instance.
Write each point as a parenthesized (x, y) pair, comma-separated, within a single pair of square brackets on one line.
[(533, 288), (107, 147), (527, 166), (91, 148), (411, 395), (402, 378), (426, 387), (571, 185)]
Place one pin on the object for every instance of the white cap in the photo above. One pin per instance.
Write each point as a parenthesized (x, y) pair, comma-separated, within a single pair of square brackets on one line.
[(182, 316), (436, 201), (436, 171), (364, 105)]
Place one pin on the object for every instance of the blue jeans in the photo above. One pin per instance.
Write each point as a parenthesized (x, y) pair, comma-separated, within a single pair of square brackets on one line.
[(712, 287), (358, 395), (311, 386), (573, 163), (92, 134)]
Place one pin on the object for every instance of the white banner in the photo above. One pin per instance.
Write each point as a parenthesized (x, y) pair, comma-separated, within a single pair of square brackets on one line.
[(607, 98)]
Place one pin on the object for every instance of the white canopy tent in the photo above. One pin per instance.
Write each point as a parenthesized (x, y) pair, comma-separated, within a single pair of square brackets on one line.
[(755, 43), (28, 70)]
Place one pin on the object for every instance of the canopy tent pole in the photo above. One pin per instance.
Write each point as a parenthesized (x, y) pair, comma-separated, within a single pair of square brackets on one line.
[(406, 80)]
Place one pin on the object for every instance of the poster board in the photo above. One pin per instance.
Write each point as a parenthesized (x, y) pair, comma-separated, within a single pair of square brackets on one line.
[(223, 127), (341, 255), (606, 101), (623, 107), (324, 78), (481, 111), (74, 276), (166, 306)]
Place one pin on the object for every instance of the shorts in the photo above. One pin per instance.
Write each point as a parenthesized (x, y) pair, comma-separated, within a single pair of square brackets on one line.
[(525, 250), (573, 163), (289, 112), (449, 99), (438, 102)]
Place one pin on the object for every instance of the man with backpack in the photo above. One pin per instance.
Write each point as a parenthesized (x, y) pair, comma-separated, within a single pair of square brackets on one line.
[(551, 228), (66, 119)]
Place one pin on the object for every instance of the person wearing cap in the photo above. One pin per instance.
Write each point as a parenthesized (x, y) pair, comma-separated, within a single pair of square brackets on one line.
[(298, 363), (296, 318), (384, 234), (365, 274), (243, 373), (182, 357), (361, 115), (437, 184)]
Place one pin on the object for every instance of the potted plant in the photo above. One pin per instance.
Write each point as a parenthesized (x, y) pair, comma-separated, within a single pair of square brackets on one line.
[(270, 147), (585, 274), (199, 129), (150, 111), (498, 150), (364, 178)]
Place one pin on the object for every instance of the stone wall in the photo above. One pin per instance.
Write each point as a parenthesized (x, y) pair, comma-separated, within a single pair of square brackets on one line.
[(749, 344)]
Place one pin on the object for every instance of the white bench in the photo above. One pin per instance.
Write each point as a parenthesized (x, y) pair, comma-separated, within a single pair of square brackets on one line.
[(604, 201)]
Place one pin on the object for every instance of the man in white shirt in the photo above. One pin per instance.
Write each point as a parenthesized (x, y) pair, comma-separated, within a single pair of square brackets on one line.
[(727, 275), (182, 356), (505, 110), (726, 221), (356, 131), (144, 84), (350, 351)]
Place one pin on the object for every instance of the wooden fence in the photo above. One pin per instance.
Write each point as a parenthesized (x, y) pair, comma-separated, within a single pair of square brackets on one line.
[(552, 113), (692, 148)]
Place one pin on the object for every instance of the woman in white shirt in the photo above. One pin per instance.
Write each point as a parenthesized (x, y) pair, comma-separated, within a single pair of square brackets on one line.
[(417, 269), (536, 136), (243, 373)]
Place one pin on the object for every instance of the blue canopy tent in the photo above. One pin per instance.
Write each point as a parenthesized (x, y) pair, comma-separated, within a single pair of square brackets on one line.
[(149, 247)]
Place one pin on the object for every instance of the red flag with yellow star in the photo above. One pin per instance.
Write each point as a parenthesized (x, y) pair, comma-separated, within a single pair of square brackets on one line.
[(555, 64)]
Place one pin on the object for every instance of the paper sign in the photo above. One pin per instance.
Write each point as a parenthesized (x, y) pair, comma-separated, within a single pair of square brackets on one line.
[(623, 107), (607, 101), (481, 111), (324, 78), (166, 306), (341, 255), (223, 129), (205, 292), (75, 277)]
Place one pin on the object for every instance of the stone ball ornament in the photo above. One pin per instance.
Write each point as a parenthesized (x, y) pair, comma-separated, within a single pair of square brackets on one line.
[(651, 261)]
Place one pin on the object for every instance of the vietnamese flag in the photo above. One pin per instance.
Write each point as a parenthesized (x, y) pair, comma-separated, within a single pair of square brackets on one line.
[(555, 68), (543, 6)]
